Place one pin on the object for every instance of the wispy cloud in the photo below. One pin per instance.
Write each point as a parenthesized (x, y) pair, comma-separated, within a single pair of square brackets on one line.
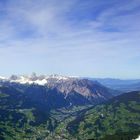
[(50, 36)]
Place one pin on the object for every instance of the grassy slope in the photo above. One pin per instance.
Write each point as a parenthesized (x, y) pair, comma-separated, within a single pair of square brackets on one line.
[(20, 119), (121, 114)]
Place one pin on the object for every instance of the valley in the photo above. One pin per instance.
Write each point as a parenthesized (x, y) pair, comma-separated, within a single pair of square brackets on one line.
[(67, 109)]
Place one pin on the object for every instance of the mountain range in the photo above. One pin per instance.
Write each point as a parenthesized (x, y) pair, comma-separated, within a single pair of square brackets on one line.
[(61, 107), (58, 90), (119, 84)]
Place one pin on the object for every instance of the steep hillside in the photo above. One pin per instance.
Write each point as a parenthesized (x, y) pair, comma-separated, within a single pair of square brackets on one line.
[(29, 115), (120, 115), (72, 91)]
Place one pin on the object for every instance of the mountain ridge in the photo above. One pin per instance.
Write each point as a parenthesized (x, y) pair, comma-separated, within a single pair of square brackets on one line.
[(73, 91)]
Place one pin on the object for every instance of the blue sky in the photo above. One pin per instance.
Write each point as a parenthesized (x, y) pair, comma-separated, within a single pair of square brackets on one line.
[(94, 38)]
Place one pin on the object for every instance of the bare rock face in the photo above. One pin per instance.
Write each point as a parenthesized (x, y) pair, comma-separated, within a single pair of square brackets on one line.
[(92, 92), (56, 90)]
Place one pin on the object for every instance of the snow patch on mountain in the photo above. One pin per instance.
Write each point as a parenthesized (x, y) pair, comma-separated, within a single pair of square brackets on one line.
[(34, 79), (2, 78)]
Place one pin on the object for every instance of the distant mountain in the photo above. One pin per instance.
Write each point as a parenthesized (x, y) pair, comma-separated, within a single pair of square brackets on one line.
[(130, 87), (117, 116), (34, 79), (66, 92), (72, 90), (118, 84)]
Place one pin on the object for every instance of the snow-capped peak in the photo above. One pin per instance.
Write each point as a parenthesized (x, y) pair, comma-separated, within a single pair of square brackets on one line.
[(34, 79), (23, 79), (58, 77), (2, 78)]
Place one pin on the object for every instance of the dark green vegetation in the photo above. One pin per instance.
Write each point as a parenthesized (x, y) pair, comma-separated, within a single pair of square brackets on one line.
[(120, 114), (33, 112), (122, 136)]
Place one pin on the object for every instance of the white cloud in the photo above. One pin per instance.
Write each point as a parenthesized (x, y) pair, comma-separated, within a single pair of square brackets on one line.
[(56, 37)]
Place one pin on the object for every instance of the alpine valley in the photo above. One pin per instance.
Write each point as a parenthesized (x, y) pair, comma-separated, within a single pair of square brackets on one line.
[(58, 107)]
